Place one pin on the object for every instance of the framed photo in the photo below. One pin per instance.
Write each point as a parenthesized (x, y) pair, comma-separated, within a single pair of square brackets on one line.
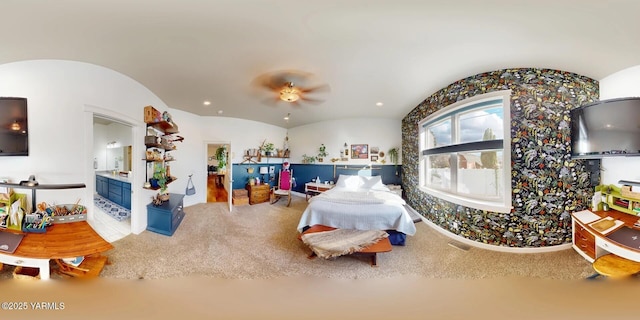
[(344, 159), (359, 151), (375, 150), (374, 158)]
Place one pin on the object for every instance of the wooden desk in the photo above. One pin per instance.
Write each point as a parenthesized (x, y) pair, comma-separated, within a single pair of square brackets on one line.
[(591, 244), (65, 240)]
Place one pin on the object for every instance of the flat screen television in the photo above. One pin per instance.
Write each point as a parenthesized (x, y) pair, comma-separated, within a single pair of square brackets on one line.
[(14, 131), (607, 128)]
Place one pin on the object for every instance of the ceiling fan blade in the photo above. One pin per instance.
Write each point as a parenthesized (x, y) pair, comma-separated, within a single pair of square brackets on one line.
[(311, 100), (319, 88)]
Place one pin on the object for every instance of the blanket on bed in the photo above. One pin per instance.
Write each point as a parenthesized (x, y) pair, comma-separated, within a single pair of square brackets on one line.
[(360, 210), (335, 243)]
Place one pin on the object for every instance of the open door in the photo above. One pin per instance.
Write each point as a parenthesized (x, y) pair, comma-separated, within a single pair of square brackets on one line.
[(219, 173)]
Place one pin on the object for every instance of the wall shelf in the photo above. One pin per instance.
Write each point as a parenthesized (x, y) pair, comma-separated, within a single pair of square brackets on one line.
[(42, 186)]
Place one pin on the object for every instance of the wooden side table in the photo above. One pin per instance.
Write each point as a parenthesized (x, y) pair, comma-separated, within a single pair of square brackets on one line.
[(259, 193), (311, 188)]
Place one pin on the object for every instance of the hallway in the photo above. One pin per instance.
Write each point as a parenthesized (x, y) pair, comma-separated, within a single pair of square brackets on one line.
[(215, 192)]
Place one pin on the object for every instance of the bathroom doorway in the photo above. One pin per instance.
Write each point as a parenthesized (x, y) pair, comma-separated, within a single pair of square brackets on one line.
[(112, 164)]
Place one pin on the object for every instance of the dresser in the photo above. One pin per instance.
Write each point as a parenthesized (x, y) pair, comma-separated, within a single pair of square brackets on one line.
[(166, 218), (258, 193)]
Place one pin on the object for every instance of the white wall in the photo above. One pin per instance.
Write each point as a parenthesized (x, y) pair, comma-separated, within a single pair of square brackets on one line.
[(625, 83), (63, 95), (382, 133)]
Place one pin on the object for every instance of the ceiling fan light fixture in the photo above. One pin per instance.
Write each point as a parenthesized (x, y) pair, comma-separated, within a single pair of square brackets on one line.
[(289, 93), (15, 126)]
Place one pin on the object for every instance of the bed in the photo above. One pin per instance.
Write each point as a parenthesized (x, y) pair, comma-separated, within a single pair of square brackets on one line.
[(361, 203)]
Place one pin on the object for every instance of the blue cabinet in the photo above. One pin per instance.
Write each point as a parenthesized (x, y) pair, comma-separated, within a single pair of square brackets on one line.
[(166, 218), (102, 186), (126, 195), (115, 190)]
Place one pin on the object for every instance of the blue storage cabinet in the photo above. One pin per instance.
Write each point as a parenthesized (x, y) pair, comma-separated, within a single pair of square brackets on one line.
[(166, 218)]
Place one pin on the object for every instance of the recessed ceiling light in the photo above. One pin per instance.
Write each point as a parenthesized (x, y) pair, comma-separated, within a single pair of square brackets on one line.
[(220, 111), (207, 102), (379, 104), (287, 116)]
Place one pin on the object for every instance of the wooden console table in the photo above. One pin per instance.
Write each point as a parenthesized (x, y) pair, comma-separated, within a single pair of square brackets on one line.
[(64, 240)]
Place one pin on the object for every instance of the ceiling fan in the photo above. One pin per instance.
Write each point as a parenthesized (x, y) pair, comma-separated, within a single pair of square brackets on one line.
[(289, 86)]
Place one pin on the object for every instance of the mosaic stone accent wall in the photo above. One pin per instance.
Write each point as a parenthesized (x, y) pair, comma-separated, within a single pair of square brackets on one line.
[(546, 184)]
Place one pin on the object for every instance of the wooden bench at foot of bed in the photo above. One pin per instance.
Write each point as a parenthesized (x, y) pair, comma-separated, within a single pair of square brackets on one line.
[(384, 245)]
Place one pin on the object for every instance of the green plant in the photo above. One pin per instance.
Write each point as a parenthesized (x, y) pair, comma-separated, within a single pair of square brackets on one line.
[(308, 159), (393, 155), (322, 151), (268, 147), (221, 156), (160, 174)]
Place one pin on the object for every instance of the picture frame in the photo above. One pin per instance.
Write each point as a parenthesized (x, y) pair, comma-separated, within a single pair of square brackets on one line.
[(374, 158), (359, 151), (375, 150)]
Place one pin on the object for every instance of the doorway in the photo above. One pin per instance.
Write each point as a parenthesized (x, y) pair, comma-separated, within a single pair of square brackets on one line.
[(218, 175), (112, 164)]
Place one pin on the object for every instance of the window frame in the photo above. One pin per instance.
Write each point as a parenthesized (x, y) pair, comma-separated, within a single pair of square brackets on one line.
[(452, 112)]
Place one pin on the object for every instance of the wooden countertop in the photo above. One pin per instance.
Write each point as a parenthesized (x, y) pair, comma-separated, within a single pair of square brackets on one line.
[(63, 240), (628, 220)]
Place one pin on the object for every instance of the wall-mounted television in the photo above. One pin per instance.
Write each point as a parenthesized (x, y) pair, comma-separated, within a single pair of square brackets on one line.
[(607, 128), (14, 130)]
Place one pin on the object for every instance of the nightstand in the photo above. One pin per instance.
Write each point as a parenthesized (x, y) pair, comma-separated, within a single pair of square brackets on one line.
[(259, 193)]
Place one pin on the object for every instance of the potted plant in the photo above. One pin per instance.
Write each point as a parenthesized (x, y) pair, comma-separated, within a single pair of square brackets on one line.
[(322, 152), (160, 174), (393, 157), (221, 156), (268, 148), (251, 180), (308, 159)]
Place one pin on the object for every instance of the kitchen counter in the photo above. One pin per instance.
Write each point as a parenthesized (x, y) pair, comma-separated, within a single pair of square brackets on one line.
[(110, 175)]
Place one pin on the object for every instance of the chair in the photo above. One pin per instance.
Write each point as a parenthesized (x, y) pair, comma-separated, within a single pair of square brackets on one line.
[(90, 267), (283, 189)]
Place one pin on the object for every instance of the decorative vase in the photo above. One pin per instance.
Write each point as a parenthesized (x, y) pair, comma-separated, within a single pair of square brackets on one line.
[(154, 183)]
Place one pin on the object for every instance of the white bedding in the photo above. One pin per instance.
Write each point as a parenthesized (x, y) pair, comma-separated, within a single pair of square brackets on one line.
[(358, 208)]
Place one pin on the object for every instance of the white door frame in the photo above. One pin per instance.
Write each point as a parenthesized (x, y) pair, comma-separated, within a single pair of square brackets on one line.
[(138, 215)]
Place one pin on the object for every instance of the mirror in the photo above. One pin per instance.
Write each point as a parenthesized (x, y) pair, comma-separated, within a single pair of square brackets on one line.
[(119, 159)]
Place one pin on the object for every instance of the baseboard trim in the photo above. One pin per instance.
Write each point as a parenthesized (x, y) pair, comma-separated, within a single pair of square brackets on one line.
[(491, 247)]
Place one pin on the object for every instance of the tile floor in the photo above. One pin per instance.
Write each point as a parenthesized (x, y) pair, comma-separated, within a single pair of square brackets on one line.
[(109, 228)]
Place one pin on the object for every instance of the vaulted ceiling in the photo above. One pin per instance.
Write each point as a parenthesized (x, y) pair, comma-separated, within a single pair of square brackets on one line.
[(395, 52)]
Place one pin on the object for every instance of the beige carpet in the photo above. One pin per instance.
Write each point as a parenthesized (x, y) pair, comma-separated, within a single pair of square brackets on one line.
[(260, 242), (200, 273)]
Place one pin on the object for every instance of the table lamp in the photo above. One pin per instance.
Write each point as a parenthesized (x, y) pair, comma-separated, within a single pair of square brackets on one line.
[(263, 171)]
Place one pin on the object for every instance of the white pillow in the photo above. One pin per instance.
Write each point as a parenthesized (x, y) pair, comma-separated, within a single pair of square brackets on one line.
[(374, 183), (349, 182)]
